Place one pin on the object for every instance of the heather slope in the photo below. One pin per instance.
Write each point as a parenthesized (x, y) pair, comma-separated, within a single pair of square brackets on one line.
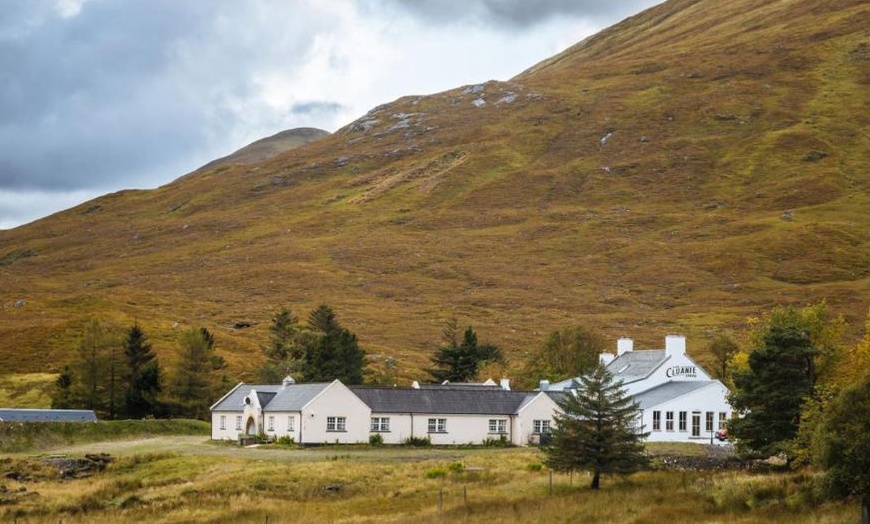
[(688, 167)]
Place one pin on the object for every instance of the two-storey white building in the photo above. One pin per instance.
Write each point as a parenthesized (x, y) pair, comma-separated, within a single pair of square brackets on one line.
[(678, 400)]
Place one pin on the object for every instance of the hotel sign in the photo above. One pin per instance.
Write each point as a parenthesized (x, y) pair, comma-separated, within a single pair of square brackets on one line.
[(682, 372)]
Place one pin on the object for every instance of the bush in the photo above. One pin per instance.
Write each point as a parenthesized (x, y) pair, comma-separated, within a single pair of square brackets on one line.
[(535, 466), (376, 440), (285, 440), (456, 467), (501, 442), (436, 473), (418, 442)]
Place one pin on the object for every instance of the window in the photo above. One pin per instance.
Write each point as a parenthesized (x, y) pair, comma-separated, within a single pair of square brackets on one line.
[(657, 420), (669, 420), (683, 421), (238, 422), (380, 424), (336, 423), (541, 427), (696, 423), (437, 425), (497, 425), (271, 426), (223, 422), (709, 425), (722, 417), (291, 421)]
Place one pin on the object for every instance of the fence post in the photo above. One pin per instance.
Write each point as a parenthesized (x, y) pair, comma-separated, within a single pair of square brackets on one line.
[(465, 494), (551, 482)]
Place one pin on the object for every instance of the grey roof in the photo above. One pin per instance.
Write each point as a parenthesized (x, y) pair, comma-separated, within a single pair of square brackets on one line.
[(272, 397), (47, 415), (634, 365), (446, 401), (669, 391)]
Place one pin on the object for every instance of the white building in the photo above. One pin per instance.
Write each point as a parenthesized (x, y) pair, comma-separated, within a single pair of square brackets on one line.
[(678, 400), (329, 413)]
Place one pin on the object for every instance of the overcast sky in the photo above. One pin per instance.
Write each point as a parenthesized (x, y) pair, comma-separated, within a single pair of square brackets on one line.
[(102, 95)]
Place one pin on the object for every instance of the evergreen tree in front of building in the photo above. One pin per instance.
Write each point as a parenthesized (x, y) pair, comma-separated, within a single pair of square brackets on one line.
[(597, 430)]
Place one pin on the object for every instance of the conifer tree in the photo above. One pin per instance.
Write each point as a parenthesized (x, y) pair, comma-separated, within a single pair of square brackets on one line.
[(284, 352), (142, 379), (597, 430), (195, 382), (770, 393), (460, 362), (331, 351)]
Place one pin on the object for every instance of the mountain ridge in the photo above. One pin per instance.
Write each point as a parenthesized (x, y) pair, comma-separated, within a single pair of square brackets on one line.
[(632, 187)]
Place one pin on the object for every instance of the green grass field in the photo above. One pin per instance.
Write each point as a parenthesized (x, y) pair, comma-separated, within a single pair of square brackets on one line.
[(186, 478)]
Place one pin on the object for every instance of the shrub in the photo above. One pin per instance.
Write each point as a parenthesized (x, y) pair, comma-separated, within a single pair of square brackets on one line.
[(436, 473), (285, 440), (501, 442), (535, 466), (456, 467), (376, 440), (418, 442)]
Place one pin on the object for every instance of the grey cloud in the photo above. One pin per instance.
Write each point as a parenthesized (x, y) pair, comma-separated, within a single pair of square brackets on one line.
[(314, 106), (515, 13)]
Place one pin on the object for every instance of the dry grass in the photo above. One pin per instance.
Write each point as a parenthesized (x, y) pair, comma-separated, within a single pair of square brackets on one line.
[(510, 217), (214, 483)]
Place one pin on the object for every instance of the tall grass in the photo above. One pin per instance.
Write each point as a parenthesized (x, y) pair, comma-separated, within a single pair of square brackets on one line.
[(38, 436), (394, 485)]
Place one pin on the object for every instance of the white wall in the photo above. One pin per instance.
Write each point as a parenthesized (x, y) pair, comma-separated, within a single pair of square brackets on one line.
[(709, 399), (335, 401), (542, 407)]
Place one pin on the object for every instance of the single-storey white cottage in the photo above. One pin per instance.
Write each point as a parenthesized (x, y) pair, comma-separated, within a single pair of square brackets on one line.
[(678, 400), (334, 413)]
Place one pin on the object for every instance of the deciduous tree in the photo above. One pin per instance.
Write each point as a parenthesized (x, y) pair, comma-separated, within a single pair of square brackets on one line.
[(568, 352)]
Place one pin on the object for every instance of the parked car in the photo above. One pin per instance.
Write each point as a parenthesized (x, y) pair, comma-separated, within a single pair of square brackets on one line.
[(722, 435)]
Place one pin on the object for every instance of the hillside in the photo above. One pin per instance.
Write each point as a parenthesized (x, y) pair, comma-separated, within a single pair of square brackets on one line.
[(268, 147), (680, 171)]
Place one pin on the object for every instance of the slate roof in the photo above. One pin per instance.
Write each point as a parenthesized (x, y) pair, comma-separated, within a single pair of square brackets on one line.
[(272, 397), (47, 415), (634, 365), (442, 401), (669, 391)]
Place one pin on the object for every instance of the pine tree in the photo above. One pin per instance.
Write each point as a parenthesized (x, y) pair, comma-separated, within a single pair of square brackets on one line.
[(457, 362), (597, 430), (90, 370), (62, 396), (142, 379), (195, 381), (284, 353), (331, 351), (769, 394)]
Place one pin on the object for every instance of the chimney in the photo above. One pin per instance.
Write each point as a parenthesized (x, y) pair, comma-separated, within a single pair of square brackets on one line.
[(506, 384), (544, 385), (675, 345), (624, 345), (605, 358), (415, 385), (288, 381)]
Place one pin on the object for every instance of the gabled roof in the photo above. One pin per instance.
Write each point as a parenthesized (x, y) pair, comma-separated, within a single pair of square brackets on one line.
[(481, 401), (292, 397), (670, 391), (47, 415), (635, 365)]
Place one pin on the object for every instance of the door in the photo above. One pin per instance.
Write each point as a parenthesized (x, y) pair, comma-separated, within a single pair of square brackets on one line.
[(251, 427), (696, 423)]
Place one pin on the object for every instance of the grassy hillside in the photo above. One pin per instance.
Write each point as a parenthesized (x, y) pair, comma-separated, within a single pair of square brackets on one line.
[(686, 168)]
